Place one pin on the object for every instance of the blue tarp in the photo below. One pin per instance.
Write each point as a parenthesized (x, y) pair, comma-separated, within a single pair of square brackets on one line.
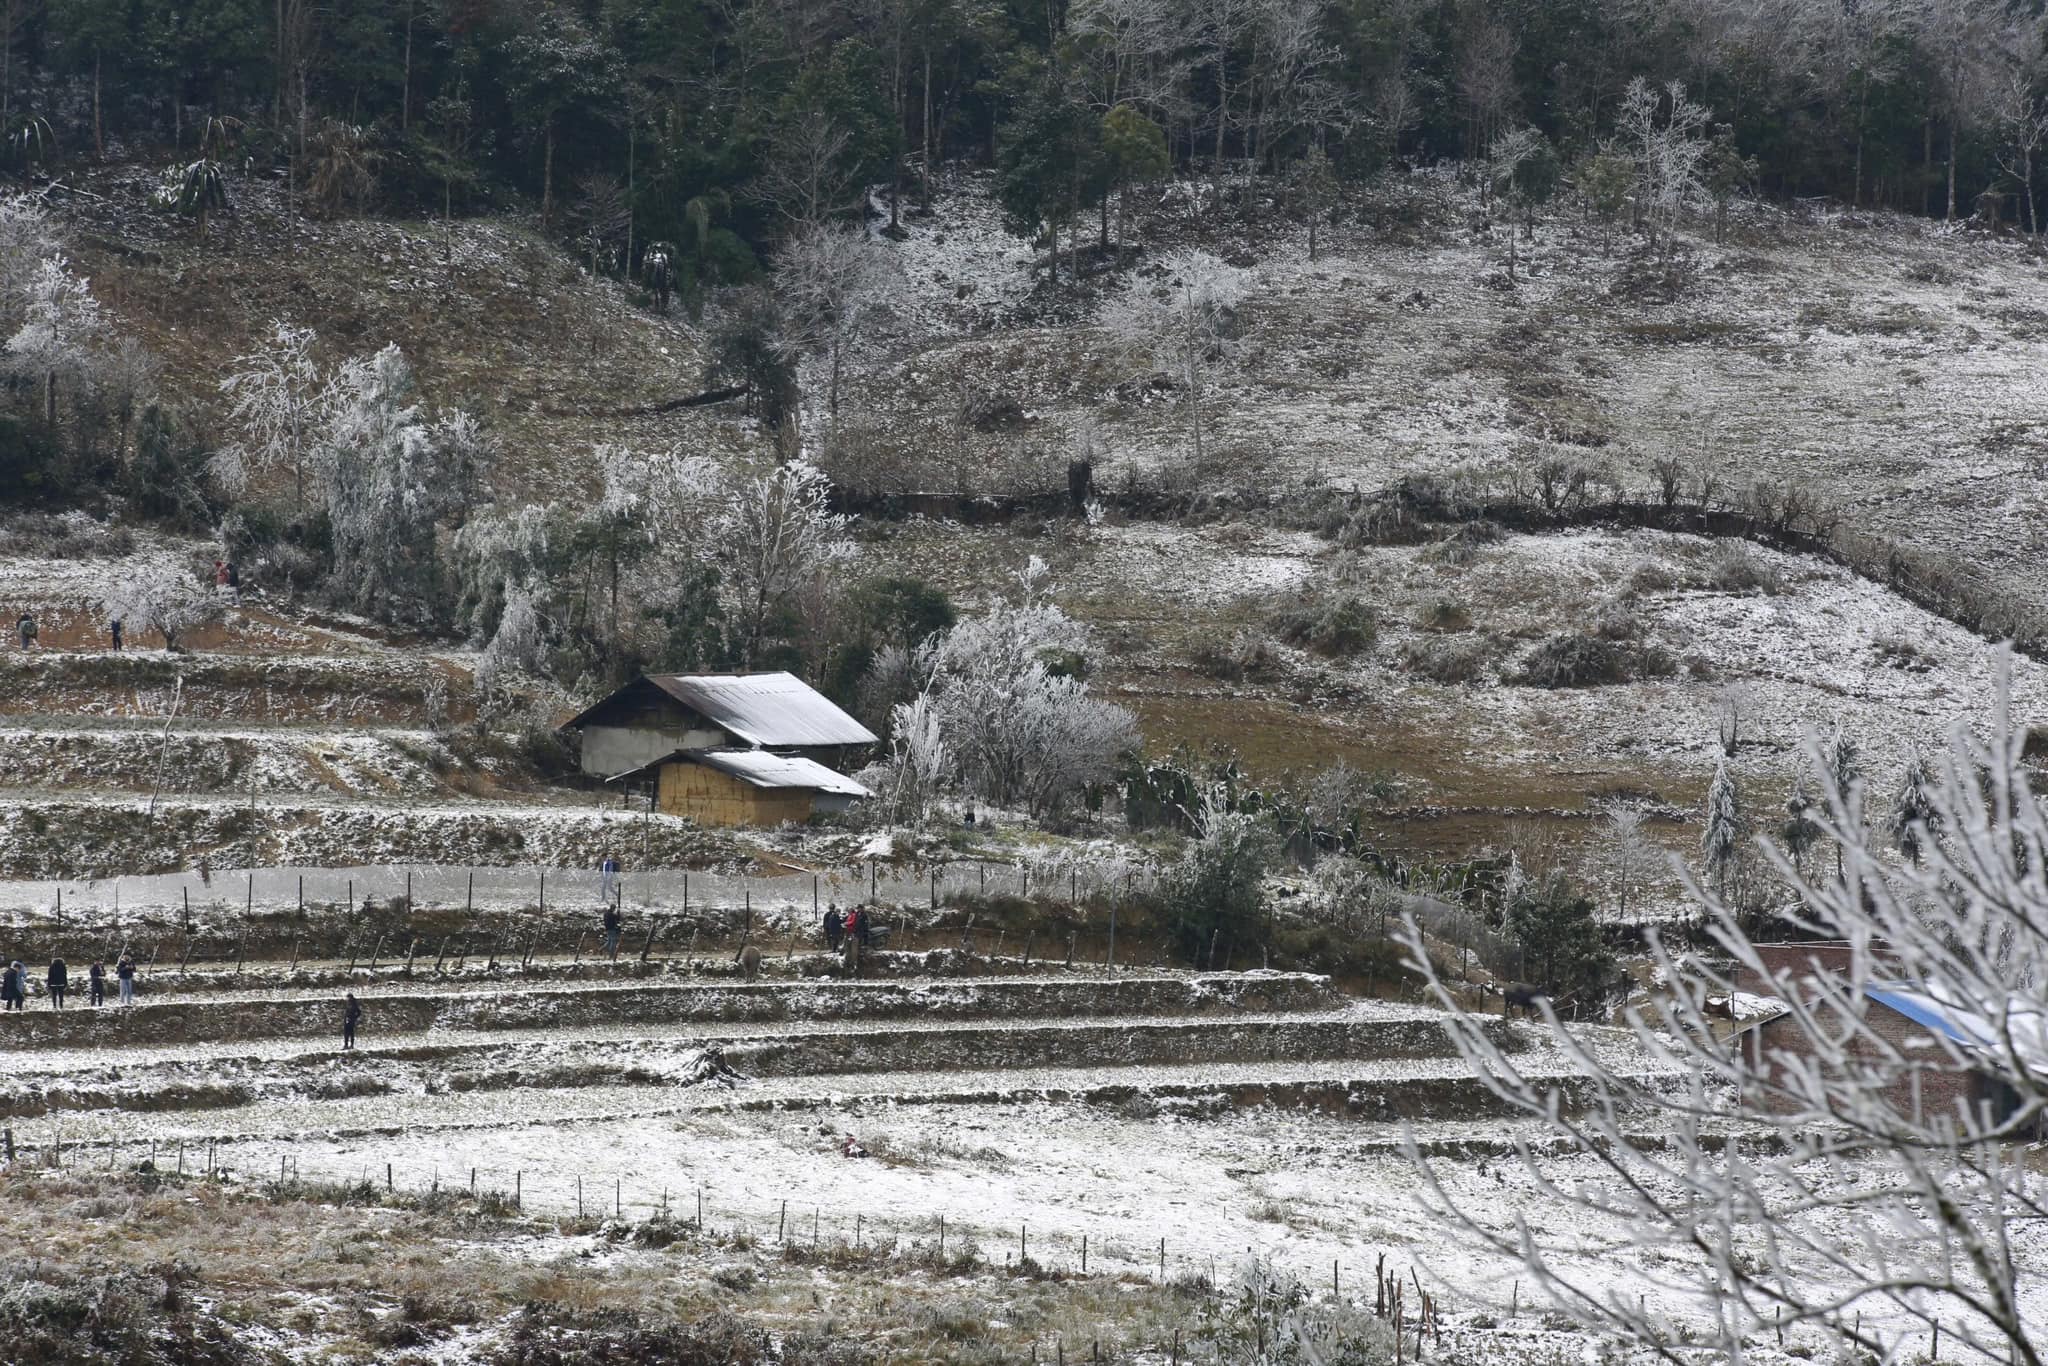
[(1920, 1010)]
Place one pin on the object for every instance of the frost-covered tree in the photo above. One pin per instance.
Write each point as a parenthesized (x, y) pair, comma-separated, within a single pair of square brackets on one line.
[(1182, 325), (917, 764), (1722, 837), (27, 240), (830, 277), (385, 487), (467, 451), (495, 553), (1630, 855), (1521, 169), (275, 395), (61, 331), (157, 595), (1881, 1185), (2022, 117), (1967, 41), (1914, 819), (519, 644), (775, 532), (1021, 728), (1315, 185), (1666, 134), (646, 501)]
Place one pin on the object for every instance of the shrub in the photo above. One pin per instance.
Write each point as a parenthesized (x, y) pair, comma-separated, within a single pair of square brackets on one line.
[(823, 1349), (1737, 569), (544, 1336), (1654, 275), (1447, 661), (1463, 545), (1652, 576), (1563, 952), (1338, 626), (1445, 614), (1232, 660), (1617, 620), (1575, 661), (1219, 883)]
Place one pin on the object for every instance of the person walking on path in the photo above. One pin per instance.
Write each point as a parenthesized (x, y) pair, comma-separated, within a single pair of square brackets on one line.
[(835, 926), (849, 940), (608, 873), (612, 926), (350, 1014), (11, 987), (96, 984), (25, 627), (114, 630), (58, 979), (125, 971)]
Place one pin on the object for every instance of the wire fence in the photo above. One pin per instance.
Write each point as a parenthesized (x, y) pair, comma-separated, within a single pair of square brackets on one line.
[(534, 888), (698, 1209)]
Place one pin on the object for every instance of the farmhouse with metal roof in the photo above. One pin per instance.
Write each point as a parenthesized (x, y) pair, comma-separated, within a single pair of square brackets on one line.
[(726, 749)]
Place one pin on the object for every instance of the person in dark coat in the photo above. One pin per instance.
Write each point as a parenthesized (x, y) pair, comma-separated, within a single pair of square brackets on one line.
[(114, 630), (350, 1014), (10, 987), (124, 972), (612, 926), (96, 983), (835, 925), (58, 979)]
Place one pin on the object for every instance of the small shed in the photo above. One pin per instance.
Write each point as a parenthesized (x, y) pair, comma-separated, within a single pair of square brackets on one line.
[(1916, 1023), (750, 787), (726, 749)]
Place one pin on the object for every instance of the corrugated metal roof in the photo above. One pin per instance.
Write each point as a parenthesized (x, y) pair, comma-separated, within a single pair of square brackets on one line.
[(2021, 1024), (771, 710), (778, 770)]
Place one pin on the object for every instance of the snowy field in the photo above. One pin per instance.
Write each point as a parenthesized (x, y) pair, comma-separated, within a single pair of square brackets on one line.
[(1259, 1119)]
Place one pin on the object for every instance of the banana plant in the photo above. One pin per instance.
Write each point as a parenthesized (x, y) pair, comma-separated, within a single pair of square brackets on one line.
[(29, 141)]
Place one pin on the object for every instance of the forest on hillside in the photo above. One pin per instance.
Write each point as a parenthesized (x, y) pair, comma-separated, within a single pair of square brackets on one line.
[(705, 129), (687, 145)]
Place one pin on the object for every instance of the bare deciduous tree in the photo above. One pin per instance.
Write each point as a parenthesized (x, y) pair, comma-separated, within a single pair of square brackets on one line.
[(829, 278), (1826, 1177), (1181, 325), (776, 531), (1486, 82), (2023, 125), (804, 176), (1665, 132), (1629, 854), (275, 394)]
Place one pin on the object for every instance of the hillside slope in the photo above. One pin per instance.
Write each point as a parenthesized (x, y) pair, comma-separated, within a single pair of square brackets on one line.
[(1881, 364)]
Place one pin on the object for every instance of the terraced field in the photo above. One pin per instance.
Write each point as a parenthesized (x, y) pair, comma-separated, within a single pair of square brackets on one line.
[(1126, 1107)]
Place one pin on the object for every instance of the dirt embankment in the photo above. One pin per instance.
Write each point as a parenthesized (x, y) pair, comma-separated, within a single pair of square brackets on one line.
[(395, 1011), (254, 689)]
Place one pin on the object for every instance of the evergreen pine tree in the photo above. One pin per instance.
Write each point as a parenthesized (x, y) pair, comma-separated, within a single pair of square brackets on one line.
[(1724, 825)]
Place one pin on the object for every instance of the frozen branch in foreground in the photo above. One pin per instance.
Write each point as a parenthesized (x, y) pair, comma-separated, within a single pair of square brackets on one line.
[(1820, 1175)]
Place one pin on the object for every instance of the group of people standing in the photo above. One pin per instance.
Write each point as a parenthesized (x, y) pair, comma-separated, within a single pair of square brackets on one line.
[(850, 933), (14, 983)]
